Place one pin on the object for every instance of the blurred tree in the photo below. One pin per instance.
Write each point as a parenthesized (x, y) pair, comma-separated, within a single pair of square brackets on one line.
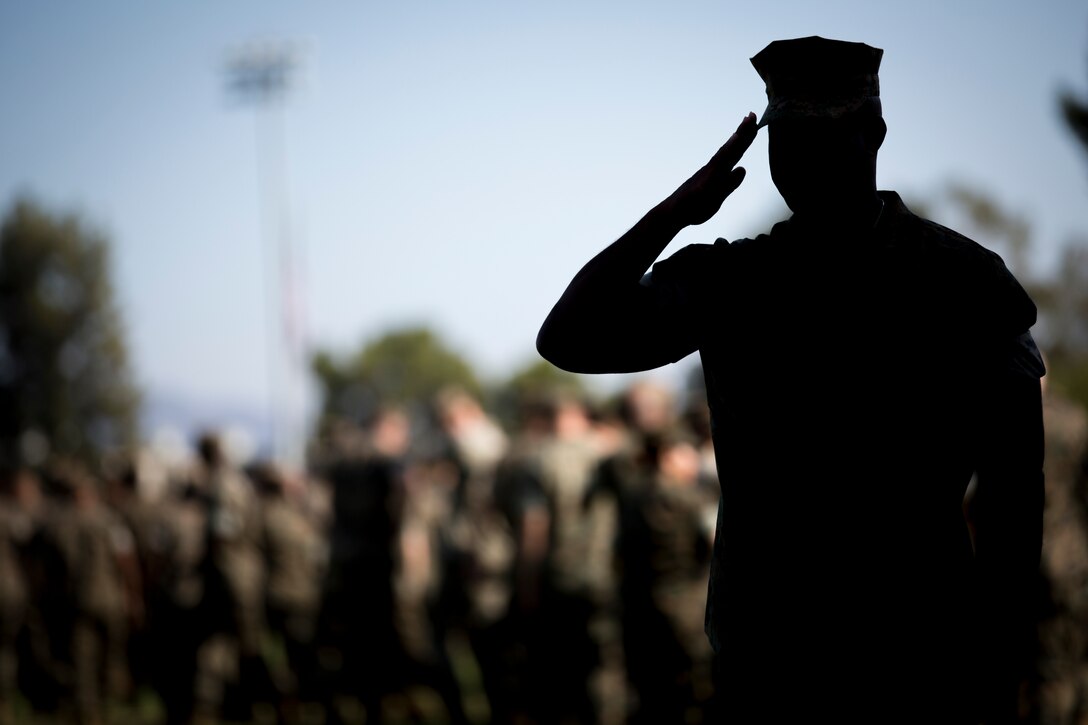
[(534, 380), (1065, 310), (404, 366), (1066, 299), (543, 377), (1075, 114), (1010, 232), (65, 382)]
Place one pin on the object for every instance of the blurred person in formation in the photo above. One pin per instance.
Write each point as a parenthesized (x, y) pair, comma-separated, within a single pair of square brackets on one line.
[(625, 471), (26, 506), (426, 578), (84, 553), (644, 411), (133, 497), (609, 429), (667, 534), (481, 546), (292, 593), (1059, 690), (477, 440), (648, 408), (18, 525), (543, 485), (860, 364), (608, 682), (181, 617), (358, 646), (232, 673)]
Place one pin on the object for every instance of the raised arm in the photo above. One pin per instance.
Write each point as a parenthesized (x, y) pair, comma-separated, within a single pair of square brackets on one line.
[(606, 321)]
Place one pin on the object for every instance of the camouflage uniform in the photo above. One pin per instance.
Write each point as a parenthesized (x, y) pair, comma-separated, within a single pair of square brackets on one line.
[(145, 518), (179, 610), (231, 670), (1060, 690), (426, 580), (84, 604), (292, 552), (16, 530), (481, 549), (542, 488), (357, 641), (666, 552), (234, 535)]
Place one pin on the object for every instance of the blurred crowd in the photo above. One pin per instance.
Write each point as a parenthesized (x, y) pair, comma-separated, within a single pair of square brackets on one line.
[(429, 566)]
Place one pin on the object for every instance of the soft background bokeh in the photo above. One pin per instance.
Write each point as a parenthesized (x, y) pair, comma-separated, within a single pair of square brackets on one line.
[(432, 524), (453, 164)]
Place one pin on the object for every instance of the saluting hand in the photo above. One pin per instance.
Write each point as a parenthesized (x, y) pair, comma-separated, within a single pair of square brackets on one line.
[(700, 197)]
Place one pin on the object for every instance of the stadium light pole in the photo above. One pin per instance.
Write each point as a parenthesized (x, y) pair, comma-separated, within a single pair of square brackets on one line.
[(260, 75)]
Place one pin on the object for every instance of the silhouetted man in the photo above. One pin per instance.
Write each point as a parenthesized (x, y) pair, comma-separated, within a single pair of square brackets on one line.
[(861, 365)]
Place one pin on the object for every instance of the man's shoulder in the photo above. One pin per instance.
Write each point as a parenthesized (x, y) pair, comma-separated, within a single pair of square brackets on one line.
[(954, 248), (926, 236), (964, 272)]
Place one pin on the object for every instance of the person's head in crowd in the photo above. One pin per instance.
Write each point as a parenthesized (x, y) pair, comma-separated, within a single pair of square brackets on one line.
[(209, 446), (609, 429), (477, 439), (536, 415), (457, 409), (344, 439), (696, 417), (268, 479), (68, 480), (20, 487), (647, 407), (572, 418), (678, 462), (389, 432)]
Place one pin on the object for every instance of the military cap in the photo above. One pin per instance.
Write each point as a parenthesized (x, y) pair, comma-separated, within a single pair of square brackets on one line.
[(817, 78)]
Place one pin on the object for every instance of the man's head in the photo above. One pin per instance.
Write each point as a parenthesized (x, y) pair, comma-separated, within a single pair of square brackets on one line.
[(824, 122)]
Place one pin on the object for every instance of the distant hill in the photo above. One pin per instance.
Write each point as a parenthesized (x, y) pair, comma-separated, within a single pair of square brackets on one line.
[(174, 420)]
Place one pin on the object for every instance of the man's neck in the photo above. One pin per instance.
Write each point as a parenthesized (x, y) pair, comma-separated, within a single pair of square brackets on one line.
[(858, 214)]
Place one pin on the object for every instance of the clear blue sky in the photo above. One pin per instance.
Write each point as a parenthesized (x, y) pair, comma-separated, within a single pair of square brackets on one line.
[(455, 163)]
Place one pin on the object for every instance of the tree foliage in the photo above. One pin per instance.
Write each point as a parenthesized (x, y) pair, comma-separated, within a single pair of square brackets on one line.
[(535, 381), (1065, 315), (404, 366), (1009, 230), (542, 378), (65, 382), (1075, 114), (1066, 299)]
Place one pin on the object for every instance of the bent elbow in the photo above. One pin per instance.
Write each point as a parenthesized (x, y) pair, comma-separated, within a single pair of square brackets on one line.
[(550, 346), (544, 344), (564, 347)]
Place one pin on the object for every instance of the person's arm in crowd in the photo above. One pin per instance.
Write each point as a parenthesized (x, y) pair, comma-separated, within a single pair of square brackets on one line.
[(606, 321)]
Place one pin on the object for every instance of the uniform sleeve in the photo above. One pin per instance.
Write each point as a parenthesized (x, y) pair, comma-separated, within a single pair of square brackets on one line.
[(1008, 504), (1004, 314), (1007, 346), (1022, 358), (1013, 308), (681, 285)]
